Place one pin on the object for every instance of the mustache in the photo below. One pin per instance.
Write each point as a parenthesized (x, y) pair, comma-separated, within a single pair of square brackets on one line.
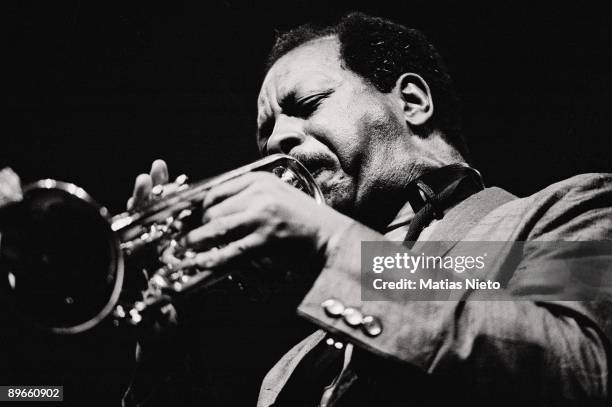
[(315, 161)]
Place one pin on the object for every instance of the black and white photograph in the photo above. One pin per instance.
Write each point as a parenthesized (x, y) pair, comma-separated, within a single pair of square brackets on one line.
[(307, 204)]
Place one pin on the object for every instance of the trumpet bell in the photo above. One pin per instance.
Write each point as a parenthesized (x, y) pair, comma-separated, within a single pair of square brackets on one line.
[(59, 257), (62, 256)]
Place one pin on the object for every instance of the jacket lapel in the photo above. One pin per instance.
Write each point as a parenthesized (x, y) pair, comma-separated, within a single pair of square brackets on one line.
[(451, 229), (464, 216)]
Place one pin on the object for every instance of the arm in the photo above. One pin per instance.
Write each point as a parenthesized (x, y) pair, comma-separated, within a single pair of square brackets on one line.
[(550, 350), (524, 349)]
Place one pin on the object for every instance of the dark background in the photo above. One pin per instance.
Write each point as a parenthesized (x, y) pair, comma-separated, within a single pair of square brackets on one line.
[(96, 92)]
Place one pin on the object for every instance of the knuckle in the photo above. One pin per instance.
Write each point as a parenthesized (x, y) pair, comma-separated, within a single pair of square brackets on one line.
[(210, 198), (211, 214), (220, 227), (204, 260), (268, 207)]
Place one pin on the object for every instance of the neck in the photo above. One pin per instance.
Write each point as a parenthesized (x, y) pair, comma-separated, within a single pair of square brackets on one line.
[(424, 154), (433, 152)]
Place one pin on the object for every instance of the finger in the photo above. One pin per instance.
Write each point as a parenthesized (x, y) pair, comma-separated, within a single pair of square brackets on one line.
[(159, 172), (233, 251), (10, 186), (229, 188), (229, 206), (9, 176), (142, 189), (220, 231), (9, 194)]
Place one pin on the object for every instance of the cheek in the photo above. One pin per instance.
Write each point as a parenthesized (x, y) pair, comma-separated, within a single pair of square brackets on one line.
[(383, 153), (339, 130)]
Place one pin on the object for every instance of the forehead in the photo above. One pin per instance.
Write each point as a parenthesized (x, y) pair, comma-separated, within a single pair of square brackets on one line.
[(315, 63)]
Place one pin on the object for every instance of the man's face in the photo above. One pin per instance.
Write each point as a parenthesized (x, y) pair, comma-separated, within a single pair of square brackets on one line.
[(348, 134)]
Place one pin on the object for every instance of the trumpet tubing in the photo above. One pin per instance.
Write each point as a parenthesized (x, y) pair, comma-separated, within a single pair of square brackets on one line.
[(67, 264)]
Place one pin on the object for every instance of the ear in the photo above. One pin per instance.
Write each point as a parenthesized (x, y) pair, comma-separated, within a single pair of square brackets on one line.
[(416, 99)]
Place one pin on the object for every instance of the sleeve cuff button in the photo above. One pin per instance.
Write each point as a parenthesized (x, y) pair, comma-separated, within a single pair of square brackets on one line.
[(352, 316), (333, 308), (371, 326)]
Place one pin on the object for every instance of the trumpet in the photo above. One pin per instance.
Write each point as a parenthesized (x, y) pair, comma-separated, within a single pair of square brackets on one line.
[(67, 264)]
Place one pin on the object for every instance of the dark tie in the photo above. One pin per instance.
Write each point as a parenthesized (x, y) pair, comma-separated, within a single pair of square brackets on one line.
[(420, 221), (435, 192)]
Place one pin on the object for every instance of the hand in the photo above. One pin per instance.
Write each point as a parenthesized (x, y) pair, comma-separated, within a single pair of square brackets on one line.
[(145, 182), (258, 216), (10, 187)]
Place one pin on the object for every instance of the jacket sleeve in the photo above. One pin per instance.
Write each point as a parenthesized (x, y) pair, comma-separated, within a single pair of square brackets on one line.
[(513, 345)]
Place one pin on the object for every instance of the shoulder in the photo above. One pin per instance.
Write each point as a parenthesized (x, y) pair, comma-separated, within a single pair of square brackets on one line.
[(579, 186), (577, 208)]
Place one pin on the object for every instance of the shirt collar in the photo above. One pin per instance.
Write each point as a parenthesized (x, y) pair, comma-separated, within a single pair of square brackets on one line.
[(444, 187)]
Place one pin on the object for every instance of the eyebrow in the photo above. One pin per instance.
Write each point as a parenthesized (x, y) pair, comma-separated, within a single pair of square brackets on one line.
[(288, 99), (291, 100), (287, 102)]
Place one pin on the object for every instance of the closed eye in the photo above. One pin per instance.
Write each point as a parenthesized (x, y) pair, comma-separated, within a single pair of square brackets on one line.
[(301, 108), (305, 106)]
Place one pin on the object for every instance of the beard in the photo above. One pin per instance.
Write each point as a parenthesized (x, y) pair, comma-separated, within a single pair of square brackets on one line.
[(338, 191), (336, 186)]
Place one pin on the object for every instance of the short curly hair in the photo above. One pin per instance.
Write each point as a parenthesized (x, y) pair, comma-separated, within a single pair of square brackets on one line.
[(380, 51)]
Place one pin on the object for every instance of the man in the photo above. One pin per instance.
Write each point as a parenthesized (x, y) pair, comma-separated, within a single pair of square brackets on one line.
[(368, 107)]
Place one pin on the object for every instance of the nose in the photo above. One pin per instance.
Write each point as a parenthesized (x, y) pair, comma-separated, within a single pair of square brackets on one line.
[(286, 135)]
